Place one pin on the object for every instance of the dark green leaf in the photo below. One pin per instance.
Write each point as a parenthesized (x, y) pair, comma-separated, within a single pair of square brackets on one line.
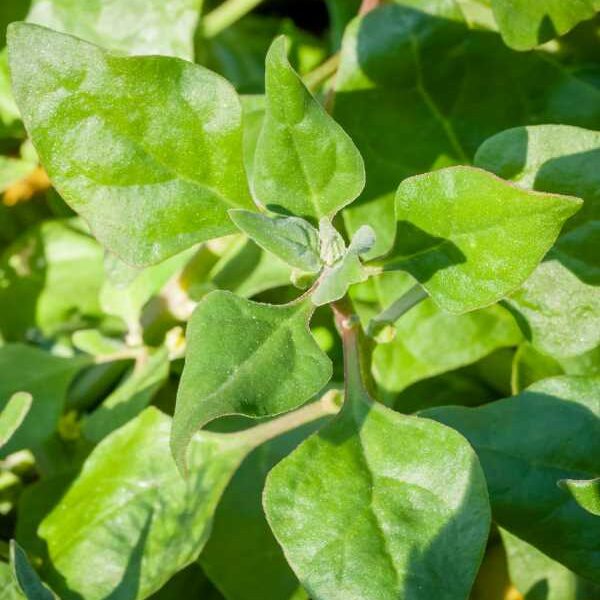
[(174, 129), (26, 577), (523, 458)]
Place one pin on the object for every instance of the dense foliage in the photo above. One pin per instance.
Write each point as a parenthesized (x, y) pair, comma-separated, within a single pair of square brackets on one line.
[(300, 300)]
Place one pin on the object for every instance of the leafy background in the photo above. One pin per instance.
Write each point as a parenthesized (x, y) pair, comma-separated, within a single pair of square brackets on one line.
[(421, 85)]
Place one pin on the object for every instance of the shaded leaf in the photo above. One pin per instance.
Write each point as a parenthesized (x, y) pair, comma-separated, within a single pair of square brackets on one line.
[(522, 463), (586, 493), (174, 130), (26, 577), (304, 162), (470, 238), (245, 358), (148, 522)]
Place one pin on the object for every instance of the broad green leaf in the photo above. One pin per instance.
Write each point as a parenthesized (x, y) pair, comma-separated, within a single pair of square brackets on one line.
[(560, 302), (536, 576), (189, 583), (530, 365), (26, 577), (132, 395), (304, 162), (428, 340), (471, 238), (147, 523), (50, 280), (527, 443), (414, 92), (46, 378), (526, 23), (13, 414), (8, 587), (174, 130), (242, 556), (585, 492), (293, 240), (348, 270), (245, 358), (128, 26), (361, 511)]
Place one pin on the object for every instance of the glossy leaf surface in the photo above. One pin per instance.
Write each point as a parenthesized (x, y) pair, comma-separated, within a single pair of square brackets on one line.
[(560, 302), (147, 523), (305, 164), (523, 463), (470, 238), (245, 358), (174, 132)]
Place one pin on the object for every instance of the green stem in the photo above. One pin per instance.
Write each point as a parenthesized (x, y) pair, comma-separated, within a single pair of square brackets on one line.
[(323, 72), (398, 308), (226, 14)]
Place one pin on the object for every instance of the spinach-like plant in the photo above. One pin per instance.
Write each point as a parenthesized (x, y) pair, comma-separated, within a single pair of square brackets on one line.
[(471, 252)]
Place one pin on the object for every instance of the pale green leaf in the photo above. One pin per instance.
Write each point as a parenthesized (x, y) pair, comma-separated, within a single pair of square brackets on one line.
[(132, 395), (527, 443), (174, 131), (8, 587), (245, 358), (46, 378), (304, 162), (471, 238), (147, 523), (585, 492), (362, 511), (292, 239), (26, 577), (528, 23), (128, 26), (560, 303), (13, 414)]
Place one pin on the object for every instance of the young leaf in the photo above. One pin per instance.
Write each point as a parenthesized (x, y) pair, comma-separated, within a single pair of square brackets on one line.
[(293, 240), (13, 415), (585, 492), (525, 24), (46, 378), (174, 130), (417, 72), (362, 510), (245, 358), (469, 237), (304, 162), (129, 399), (522, 463), (129, 26), (560, 302), (26, 577), (146, 523), (347, 271)]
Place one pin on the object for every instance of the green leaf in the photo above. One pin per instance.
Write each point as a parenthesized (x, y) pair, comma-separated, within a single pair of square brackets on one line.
[(132, 395), (525, 24), (530, 365), (46, 378), (535, 575), (293, 240), (242, 556), (8, 587), (128, 26), (471, 238), (559, 305), (13, 170), (13, 415), (428, 341), (348, 270), (26, 577), (586, 493), (304, 162), (147, 523), (50, 280), (523, 461), (174, 130), (361, 511), (245, 358), (414, 92)]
